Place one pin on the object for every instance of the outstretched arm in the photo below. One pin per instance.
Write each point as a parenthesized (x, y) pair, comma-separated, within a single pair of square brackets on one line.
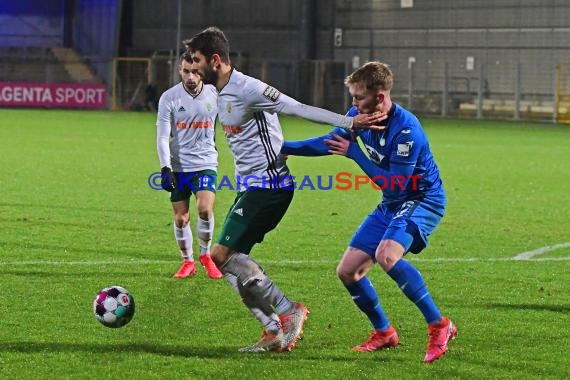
[(290, 106), (315, 146), (262, 97)]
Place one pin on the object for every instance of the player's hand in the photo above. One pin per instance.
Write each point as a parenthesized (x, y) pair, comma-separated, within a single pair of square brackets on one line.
[(167, 179), (369, 121), (338, 145)]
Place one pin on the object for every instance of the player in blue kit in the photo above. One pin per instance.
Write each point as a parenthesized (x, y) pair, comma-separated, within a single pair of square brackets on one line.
[(400, 162)]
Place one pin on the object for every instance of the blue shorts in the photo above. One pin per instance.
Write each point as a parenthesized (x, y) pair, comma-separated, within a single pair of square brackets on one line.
[(410, 225)]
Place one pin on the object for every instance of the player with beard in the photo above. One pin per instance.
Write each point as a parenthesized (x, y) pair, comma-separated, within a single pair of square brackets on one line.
[(189, 160), (248, 110)]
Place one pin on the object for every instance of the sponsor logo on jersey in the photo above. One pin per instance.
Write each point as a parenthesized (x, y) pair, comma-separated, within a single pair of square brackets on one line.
[(232, 129), (201, 124), (239, 211), (375, 156), (181, 109), (194, 124), (271, 93), (406, 131), (404, 149)]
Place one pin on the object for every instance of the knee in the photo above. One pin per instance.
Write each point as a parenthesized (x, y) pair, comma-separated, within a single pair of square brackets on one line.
[(181, 220), (388, 253), (345, 275), (204, 214), (385, 259)]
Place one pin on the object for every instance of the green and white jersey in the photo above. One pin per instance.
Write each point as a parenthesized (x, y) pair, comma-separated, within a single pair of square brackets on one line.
[(247, 108), (185, 129)]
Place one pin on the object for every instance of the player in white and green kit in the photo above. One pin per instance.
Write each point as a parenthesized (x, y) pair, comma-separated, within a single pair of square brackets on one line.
[(247, 109), (189, 160)]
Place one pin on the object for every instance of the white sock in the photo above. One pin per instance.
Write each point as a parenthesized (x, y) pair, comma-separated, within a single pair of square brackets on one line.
[(183, 237), (205, 232)]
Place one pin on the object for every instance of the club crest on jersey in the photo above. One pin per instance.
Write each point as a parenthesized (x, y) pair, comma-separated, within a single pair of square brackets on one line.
[(374, 155), (208, 107), (404, 149), (271, 93), (229, 107), (383, 139)]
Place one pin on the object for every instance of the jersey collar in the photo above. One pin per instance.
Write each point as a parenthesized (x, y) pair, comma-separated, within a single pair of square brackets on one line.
[(197, 92)]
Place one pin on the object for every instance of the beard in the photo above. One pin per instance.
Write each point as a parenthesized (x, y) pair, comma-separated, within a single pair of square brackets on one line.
[(191, 86), (210, 76)]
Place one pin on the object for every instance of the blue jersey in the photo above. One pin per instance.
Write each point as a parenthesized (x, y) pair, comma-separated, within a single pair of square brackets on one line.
[(402, 152), (398, 156), (402, 148)]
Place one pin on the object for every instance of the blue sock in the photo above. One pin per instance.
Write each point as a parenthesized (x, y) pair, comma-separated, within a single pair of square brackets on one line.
[(410, 281), (365, 297)]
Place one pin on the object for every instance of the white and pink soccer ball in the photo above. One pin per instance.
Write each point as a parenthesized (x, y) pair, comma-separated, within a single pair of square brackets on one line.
[(114, 306)]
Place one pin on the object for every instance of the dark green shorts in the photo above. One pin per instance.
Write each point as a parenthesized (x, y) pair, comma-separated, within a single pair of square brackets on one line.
[(189, 183), (253, 214)]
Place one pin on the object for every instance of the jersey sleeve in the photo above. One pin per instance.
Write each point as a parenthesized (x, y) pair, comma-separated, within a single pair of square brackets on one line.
[(407, 146), (315, 146), (163, 130), (262, 97), (352, 111)]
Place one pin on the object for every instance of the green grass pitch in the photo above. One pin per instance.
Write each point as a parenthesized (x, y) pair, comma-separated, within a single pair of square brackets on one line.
[(77, 215)]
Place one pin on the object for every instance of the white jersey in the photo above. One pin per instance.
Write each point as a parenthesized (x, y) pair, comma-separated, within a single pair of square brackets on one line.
[(247, 110), (185, 129)]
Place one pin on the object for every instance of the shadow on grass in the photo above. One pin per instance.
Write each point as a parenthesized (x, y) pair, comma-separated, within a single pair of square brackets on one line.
[(223, 353), (531, 307)]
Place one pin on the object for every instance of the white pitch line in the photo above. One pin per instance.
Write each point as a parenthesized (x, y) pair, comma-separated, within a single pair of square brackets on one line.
[(539, 251), (271, 262)]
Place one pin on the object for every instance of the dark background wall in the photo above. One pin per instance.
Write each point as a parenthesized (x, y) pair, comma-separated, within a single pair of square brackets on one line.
[(280, 29), (499, 34), (512, 45)]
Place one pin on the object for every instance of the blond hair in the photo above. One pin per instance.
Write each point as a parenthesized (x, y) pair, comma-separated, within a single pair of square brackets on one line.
[(375, 76)]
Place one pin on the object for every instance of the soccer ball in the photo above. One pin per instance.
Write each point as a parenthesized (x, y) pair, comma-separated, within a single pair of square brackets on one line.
[(114, 306)]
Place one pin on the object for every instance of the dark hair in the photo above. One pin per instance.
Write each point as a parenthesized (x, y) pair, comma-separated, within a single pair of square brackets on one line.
[(186, 56), (210, 41)]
